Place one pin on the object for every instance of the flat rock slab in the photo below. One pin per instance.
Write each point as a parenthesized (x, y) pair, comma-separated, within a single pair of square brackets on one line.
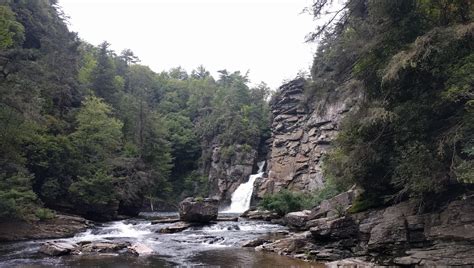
[(175, 228), (56, 248), (168, 220), (225, 218)]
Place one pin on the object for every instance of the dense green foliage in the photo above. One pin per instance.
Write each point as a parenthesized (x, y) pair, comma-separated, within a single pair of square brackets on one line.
[(92, 132), (286, 201), (413, 133)]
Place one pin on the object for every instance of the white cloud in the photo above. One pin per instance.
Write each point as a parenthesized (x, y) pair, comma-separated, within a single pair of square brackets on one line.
[(263, 36)]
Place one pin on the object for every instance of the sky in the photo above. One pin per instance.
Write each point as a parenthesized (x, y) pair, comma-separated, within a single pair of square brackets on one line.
[(264, 37)]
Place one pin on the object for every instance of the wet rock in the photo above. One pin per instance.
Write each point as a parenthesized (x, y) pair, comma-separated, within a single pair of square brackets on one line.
[(254, 243), (350, 262), (167, 220), (139, 249), (234, 227), (225, 218), (198, 210), (103, 247), (175, 228), (265, 215), (57, 248), (297, 219)]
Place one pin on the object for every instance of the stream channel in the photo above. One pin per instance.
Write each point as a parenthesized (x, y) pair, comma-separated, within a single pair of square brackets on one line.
[(216, 245)]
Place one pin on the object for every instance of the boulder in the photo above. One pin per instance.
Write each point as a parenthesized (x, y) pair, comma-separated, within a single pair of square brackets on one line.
[(57, 248), (140, 249), (175, 228), (198, 210), (298, 219), (334, 230), (336, 206)]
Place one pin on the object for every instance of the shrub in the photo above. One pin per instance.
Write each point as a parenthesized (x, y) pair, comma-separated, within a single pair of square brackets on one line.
[(286, 201), (44, 214), (283, 202)]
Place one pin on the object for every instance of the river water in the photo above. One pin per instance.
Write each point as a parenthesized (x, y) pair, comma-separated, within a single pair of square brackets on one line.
[(216, 245)]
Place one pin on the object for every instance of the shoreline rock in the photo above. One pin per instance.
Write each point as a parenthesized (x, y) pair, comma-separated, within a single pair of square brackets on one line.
[(59, 227), (394, 235)]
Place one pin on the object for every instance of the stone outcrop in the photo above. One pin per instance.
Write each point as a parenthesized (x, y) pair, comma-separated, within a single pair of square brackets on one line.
[(302, 134), (201, 210), (229, 169), (396, 235), (60, 226), (59, 248)]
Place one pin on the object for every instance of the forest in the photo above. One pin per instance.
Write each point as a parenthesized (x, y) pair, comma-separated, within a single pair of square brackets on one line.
[(89, 130), (78, 120)]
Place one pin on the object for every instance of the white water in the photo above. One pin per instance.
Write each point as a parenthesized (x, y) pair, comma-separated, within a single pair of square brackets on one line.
[(240, 201)]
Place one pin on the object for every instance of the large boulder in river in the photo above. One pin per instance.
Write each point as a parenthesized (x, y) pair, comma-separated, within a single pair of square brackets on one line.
[(201, 210)]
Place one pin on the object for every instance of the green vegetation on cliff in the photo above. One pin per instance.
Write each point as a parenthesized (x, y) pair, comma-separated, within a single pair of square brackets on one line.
[(89, 131), (413, 135)]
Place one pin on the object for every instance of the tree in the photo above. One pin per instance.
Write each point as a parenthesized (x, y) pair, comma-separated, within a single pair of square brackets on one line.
[(103, 75), (11, 31), (98, 136)]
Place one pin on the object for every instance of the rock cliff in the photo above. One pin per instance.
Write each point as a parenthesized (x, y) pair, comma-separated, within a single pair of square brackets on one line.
[(302, 132), (230, 167)]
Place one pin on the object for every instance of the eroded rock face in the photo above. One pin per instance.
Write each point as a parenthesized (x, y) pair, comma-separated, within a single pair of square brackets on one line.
[(198, 210), (302, 135)]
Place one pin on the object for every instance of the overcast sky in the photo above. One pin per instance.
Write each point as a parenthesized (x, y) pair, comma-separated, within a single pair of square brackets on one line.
[(263, 36)]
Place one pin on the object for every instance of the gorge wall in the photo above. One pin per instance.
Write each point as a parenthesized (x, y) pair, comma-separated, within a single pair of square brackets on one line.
[(302, 135), (229, 169)]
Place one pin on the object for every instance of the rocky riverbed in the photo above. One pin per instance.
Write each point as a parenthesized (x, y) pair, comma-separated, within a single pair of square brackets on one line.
[(138, 242)]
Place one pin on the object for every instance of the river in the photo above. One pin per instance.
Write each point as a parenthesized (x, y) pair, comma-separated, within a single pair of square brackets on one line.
[(217, 245)]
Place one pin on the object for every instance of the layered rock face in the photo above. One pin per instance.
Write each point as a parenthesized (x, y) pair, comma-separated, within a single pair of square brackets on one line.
[(398, 234), (229, 169), (302, 135)]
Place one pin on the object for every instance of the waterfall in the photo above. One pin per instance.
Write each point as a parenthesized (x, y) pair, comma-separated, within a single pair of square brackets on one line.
[(240, 201)]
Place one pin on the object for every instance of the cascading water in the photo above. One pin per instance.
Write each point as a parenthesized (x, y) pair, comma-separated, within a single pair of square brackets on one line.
[(240, 201)]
